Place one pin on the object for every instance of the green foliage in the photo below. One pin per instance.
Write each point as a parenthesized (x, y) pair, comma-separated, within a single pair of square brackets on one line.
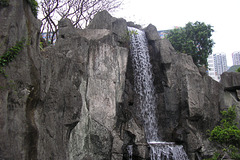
[(195, 40), (4, 3), (227, 134), (126, 38), (238, 70), (215, 157), (34, 6), (41, 46), (129, 34), (9, 55)]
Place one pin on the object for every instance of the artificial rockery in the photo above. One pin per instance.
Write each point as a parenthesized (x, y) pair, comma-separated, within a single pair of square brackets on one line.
[(76, 100)]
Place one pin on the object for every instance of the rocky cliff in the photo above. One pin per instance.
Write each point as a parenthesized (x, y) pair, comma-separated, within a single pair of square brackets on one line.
[(60, 103), (75, 100)]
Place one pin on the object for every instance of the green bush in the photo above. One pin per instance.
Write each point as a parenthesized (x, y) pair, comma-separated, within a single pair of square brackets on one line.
[(4, 3), (227, 134)]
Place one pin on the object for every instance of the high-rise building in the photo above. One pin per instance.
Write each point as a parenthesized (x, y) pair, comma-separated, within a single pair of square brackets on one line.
[(220, 63), (236, 58), (217, 64), (211, 69)]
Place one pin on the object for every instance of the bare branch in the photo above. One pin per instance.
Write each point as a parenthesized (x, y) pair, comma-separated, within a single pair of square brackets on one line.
[(80, 12)]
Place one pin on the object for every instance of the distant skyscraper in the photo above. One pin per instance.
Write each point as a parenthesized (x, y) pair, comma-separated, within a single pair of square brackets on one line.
[(217, 64), (211, 70), (236, 58), (220, 63)]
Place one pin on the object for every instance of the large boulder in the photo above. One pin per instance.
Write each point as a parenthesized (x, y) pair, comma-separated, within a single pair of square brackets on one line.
[(230, 79), (103, 20)]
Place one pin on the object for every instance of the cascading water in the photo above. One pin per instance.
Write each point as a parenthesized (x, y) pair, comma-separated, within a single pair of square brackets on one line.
[(130, 151), (143, 83), (166, 151), (144, 88)]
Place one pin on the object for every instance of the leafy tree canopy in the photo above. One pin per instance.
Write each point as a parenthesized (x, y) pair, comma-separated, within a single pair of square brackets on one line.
[(194, 39)]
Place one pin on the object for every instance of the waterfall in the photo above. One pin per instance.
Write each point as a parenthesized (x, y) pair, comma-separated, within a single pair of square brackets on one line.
[(130, 151), (144, 88), (143, 82)]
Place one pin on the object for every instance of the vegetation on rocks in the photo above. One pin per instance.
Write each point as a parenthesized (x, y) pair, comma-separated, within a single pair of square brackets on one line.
[(227, 135), (34, 7), (10, 54)]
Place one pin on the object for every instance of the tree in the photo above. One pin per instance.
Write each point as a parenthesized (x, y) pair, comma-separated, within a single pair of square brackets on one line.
[(194, 39), (227, 134), (238, 70), (80, 12)]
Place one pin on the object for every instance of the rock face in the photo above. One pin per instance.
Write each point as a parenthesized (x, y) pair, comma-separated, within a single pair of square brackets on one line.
[(60, 103), (75, 100), (19, 92), (188, 101), (231, 83)]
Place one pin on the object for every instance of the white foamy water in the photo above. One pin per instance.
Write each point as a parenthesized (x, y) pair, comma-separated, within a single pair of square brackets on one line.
[(143, 82), (144, 88), (130, 151), (167, 150)]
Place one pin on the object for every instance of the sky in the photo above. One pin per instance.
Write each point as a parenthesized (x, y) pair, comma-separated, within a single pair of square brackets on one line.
[(223, 15)]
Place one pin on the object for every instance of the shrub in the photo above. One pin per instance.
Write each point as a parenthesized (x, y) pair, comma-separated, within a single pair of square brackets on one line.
[(4, 3), (227, 134)]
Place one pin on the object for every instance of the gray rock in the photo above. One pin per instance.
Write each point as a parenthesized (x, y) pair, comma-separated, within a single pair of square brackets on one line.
[(119, 27), (230, 79), (19, 90), (151, 33), (102, 20), (66, 29), (75, 100), (60, 103), (132, 24)]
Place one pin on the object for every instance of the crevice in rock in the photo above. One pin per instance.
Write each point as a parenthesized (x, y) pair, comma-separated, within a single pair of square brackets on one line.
[(70, 128), (32, 134), (31, 137)]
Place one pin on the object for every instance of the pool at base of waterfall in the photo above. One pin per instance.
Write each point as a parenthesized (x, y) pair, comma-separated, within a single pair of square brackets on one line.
[(166, 151)]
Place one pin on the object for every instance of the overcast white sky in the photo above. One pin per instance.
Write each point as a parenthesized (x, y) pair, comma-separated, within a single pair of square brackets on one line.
[(223, 15)]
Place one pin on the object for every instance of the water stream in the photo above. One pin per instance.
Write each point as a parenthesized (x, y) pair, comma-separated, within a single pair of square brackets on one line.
[(144, 88), (130, 151)]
